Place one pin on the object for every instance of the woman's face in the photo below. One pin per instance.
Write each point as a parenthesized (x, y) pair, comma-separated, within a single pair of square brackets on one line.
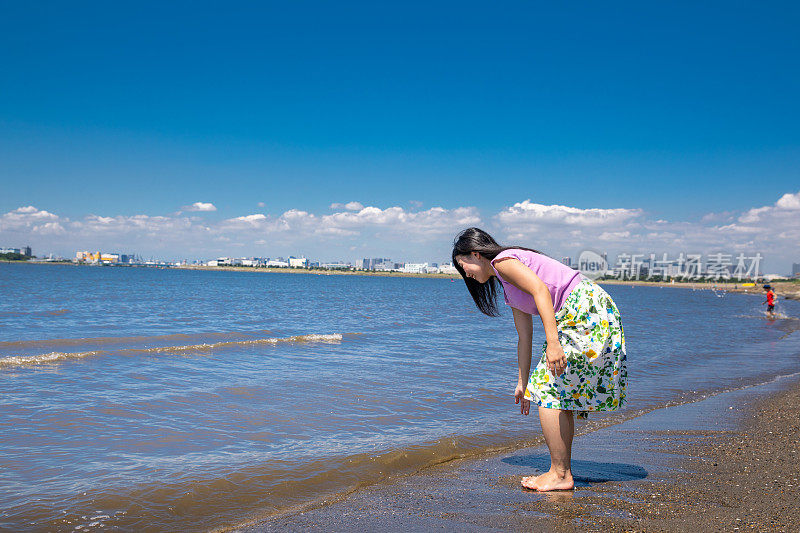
[(475, 266)]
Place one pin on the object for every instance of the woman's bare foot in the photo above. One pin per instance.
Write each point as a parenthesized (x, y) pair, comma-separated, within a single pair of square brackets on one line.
[(552, 481), (529, 482)]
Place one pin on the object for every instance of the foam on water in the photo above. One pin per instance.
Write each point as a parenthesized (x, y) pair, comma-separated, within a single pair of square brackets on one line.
[(53, 357)]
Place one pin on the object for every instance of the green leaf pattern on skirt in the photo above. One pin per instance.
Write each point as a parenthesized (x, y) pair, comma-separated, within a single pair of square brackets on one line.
[(590, 332)]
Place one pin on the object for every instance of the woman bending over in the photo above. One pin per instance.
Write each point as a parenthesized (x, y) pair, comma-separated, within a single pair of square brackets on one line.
[(583, 363)]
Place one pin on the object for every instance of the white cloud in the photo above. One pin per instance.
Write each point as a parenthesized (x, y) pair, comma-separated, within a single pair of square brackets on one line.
[(773, 230), (787, 206), (29, 214), (558, 228), (724, 216), (251, 219), (396, 220), (350, 206), (529, 214), (28, 218), (365, 222), (49, 228), (614, 235), (789, 201), (200, 206)]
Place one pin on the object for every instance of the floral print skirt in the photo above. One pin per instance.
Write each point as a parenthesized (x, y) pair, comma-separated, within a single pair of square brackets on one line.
[(590, 332)]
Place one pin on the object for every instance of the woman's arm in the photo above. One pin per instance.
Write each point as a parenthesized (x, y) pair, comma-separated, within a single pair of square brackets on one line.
[(524, 323), (522, 277)]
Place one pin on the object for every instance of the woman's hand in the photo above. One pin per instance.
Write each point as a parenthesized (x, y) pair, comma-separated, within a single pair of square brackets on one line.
[(556, 360), (519, 397)]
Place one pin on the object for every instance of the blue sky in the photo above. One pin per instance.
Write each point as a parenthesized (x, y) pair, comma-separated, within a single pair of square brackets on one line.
[(678, 112)]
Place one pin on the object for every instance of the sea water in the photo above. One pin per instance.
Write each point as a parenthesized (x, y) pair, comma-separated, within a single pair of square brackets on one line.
[(168, 399)]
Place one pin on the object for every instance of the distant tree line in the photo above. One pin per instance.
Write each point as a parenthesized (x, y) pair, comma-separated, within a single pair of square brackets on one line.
[(12, 256)]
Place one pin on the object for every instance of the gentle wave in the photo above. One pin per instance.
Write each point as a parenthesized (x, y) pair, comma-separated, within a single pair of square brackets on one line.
[(201, 501), (186, 338), (23, 360)]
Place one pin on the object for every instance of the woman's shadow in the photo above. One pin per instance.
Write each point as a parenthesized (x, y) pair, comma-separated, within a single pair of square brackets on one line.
[(584, 473)]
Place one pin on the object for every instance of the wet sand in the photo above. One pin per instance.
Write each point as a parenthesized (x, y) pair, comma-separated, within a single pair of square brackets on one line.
[(724, 463)]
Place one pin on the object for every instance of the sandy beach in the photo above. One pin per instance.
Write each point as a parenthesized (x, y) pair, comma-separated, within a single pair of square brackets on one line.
[(727, 462), (747, 478)]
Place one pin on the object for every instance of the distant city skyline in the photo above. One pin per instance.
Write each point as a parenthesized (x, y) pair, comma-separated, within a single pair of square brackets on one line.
[(417, 234), (370, 129)]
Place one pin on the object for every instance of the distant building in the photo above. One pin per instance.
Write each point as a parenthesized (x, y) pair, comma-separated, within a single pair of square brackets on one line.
[(415, 268), (447, 268), (87, 257), (278, 263), (796, 270), (375, 263), (335, 266), (10, 251), (27, 251), (567, 261), (103, 258), (298, 262), (385, 264)]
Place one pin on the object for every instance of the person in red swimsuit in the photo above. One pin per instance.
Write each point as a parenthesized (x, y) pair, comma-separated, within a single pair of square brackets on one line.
[(770, 301)]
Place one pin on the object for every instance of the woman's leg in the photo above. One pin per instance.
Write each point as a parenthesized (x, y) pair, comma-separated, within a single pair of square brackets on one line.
[(558, 427)]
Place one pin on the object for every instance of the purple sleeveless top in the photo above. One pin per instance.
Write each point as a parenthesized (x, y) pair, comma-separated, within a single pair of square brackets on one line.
[(558, 277)]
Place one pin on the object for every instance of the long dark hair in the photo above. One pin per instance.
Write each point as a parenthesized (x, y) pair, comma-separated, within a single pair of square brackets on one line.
[(476, 240)]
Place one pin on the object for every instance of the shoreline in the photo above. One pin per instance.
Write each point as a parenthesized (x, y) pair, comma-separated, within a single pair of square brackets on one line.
[(266, 270), (743, 478), (783, 289), (275, 270), (687, 467)]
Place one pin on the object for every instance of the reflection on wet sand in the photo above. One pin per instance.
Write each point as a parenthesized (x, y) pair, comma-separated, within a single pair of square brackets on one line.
[(584, 472), (610, 494)]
